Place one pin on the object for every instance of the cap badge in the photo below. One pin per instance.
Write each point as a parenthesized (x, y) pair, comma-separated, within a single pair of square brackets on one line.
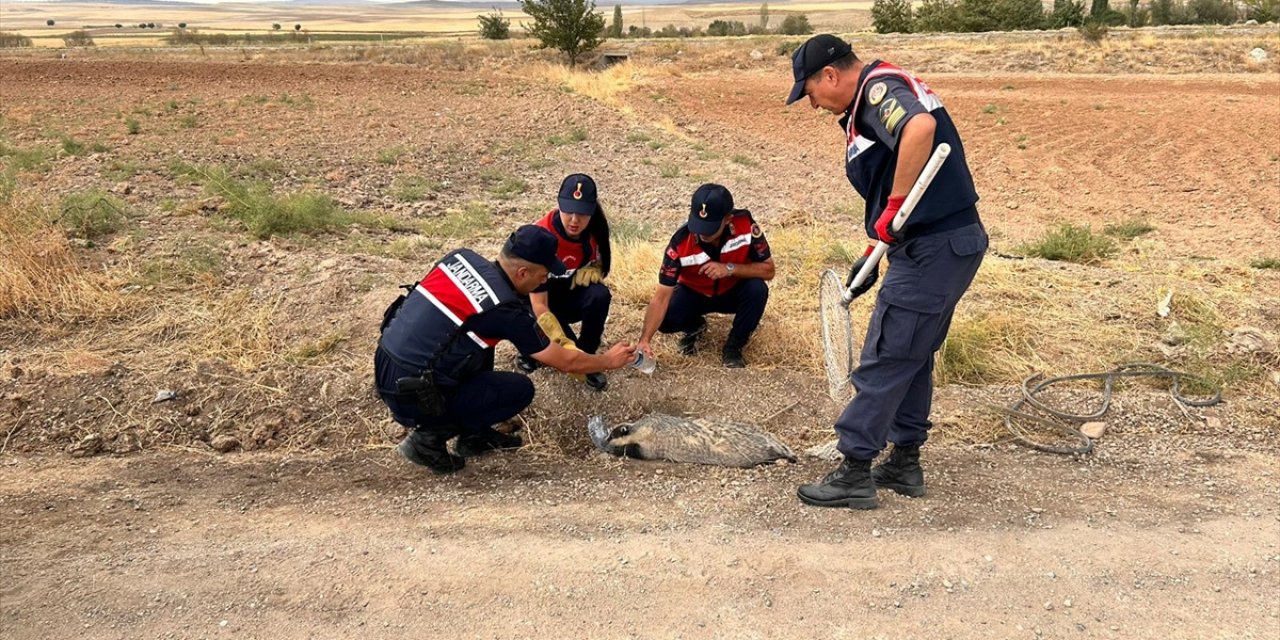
[(703, 213), (577, 193)]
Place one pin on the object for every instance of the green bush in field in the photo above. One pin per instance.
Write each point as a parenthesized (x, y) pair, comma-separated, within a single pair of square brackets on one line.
[(494, 27), (891, 16), (1129, 229), (1071, 243), (1266, 263), (92, 214), (265, 214), (9, 40)]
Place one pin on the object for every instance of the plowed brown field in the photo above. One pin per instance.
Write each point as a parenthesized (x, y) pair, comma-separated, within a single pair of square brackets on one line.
[(311, 527)]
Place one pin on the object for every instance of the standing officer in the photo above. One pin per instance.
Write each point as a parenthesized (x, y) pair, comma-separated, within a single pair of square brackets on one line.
[(579, 294), (717, 262), (893, 122), (434, 363)]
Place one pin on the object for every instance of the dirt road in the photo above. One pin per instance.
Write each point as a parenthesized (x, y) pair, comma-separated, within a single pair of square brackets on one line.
[(1010, 544)]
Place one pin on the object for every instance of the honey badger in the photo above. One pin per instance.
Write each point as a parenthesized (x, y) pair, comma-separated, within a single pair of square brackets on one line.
[(694, 440)]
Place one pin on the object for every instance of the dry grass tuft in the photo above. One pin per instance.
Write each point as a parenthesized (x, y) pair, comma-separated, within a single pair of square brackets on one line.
[(41, 278), (606, 86)]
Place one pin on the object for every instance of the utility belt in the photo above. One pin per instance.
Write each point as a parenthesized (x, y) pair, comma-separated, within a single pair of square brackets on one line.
[(952, 221), (421, 389)]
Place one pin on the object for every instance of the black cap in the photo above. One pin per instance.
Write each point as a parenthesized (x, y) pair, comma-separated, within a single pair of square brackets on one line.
[(578, 195), (711, 203), (816, 53), (537, 245)]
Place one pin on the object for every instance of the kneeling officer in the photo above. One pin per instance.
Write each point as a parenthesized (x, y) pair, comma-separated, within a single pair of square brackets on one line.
[(434, 363)]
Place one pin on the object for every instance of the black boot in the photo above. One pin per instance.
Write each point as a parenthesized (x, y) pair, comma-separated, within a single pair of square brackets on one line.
[(849, 485), (597, 381), (689, 340), (731, 356), (474, 444), (428, 449), (526, 364), (901, 472)]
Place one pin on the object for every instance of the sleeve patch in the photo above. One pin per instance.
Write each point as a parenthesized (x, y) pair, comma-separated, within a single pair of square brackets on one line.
[(756, 232), (891, 114), (877, 92)]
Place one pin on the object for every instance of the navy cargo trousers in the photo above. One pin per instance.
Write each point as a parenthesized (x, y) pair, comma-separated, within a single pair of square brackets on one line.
[(927, 275)]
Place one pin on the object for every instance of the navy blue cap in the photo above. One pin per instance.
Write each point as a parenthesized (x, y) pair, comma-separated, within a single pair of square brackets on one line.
[(816, 53), (537, 245), (711, 203), (578, 195)]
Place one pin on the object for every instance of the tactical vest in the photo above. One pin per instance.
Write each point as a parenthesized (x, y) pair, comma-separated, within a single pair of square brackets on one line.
[(736, 249), (870, 164), (573, 253), (429, 331)]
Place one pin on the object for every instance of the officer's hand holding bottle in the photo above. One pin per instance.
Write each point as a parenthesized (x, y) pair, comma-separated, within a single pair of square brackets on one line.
[(619, 355), (871, 277)]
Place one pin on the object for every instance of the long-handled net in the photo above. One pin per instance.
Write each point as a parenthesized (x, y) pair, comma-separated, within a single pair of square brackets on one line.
[(837, 336)]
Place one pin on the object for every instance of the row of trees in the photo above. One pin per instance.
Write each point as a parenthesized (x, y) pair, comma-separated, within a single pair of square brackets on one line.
[(898, 16), (574, 26)]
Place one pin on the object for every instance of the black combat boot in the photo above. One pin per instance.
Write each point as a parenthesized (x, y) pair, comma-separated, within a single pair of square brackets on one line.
[(428, 449), (473, 444), (597, 381), (731, 356), (526, 364), (850, 485), (901, 472), (689, 340)]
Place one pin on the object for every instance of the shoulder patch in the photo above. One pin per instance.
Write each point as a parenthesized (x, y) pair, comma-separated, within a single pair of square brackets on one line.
[(877, 92), (755, 230), (671, 253)]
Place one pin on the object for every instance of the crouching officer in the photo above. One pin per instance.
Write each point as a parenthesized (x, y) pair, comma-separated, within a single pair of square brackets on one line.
[(719, 262), (892, 123), (434, 363), (579, 294)]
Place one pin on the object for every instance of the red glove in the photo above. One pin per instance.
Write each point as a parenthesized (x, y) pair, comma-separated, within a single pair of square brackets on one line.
[(884, 225)]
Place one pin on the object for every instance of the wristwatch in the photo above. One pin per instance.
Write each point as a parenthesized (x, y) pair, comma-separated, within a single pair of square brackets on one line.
[(730, 267)]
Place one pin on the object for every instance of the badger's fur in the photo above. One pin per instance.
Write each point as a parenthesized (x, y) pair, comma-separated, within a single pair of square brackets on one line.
[(695, 440)]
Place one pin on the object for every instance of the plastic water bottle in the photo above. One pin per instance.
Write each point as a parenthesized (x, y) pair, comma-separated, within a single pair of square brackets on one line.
[(643, 362)]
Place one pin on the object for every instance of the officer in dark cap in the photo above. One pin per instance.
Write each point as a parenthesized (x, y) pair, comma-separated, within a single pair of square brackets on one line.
[(717, 262), (434, 363), (893, 122), (579, 294)]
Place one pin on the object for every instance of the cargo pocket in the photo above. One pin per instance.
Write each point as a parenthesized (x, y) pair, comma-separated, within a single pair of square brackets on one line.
[(908, 323), (969, 245)]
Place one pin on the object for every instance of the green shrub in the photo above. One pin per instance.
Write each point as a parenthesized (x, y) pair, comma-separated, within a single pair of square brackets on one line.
[(412, 188), (891, 16), (265, 214), (92, 214), (11, 40), (1093, 31), (1071, 243), (78, 39), (132, 126), (1266, 263), (17, 159), (72, 146), (796, 24), (939, 15), (494, 27), (1129, 229), (722, 28), (390, 156), (1260, 10)]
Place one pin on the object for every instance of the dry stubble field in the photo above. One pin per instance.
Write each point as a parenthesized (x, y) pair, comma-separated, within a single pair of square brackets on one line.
[(266, 501)]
